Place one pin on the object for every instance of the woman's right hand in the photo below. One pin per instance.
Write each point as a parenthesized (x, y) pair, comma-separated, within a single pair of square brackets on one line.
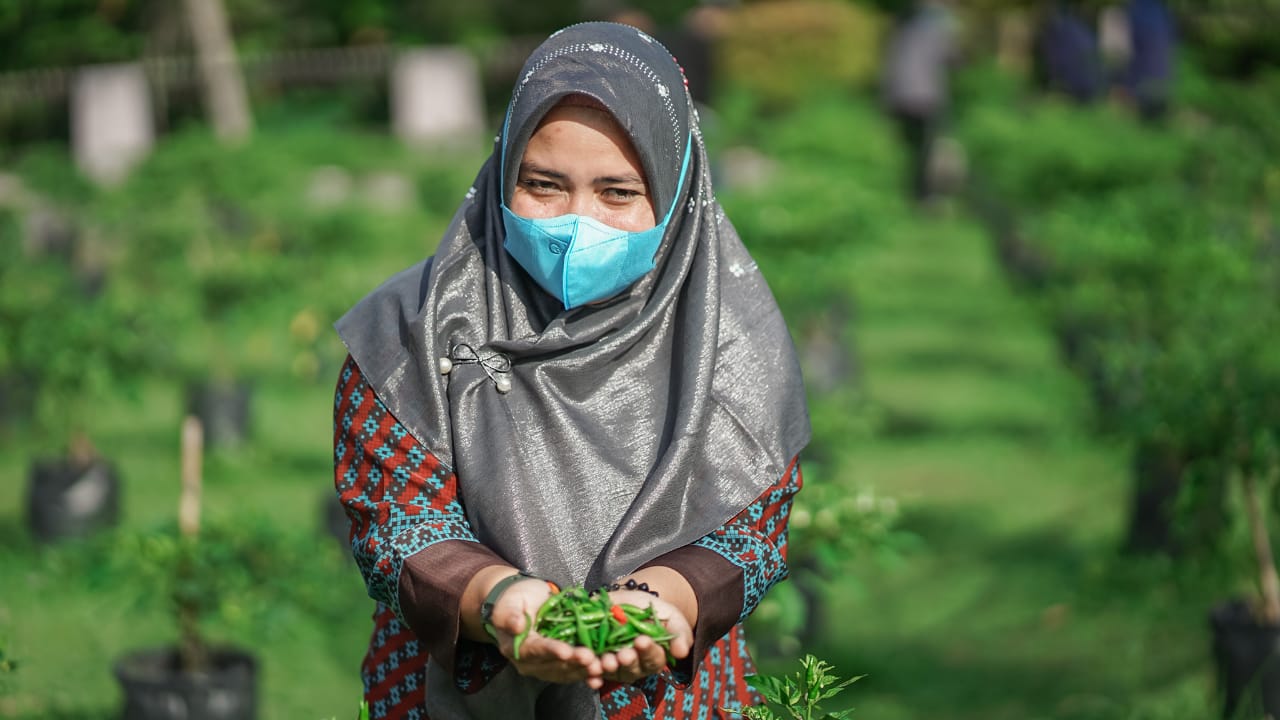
[(540, 657)]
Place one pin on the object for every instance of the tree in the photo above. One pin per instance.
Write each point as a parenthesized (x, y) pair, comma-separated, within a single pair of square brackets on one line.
[(225, 97)]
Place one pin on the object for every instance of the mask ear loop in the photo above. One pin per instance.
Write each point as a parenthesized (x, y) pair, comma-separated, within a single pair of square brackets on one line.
[(496, 365)]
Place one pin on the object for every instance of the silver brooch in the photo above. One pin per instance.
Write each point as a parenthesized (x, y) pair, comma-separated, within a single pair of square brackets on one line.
[(496, 365)]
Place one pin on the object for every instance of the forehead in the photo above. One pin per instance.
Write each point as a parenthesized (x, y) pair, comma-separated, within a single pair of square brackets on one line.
[(581, 120), (584, 137)]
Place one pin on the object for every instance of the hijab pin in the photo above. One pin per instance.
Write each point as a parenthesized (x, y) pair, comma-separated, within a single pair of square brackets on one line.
[(496, 365)]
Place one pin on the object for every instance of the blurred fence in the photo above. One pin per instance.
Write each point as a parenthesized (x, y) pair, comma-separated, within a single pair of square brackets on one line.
[(434, 95), (286, 68)]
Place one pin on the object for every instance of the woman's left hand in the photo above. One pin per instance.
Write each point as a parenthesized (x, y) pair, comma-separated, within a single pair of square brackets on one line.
[(645, 656)]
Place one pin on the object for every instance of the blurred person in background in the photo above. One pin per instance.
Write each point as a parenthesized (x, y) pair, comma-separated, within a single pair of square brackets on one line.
[(589, 384), (1068, 60), (1152, 45), (915, 85), (1115, 46)]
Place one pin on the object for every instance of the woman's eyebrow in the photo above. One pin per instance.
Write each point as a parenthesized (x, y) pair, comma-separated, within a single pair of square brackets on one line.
[(623, 179), (627, 179), (529, 167)]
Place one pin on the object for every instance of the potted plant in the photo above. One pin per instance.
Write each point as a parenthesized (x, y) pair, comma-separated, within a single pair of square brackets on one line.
[(67, 352), (1246, 630), (192, 679), (72, 495), (1246, 633), (207, 252), (1210, 391), (216, 391)]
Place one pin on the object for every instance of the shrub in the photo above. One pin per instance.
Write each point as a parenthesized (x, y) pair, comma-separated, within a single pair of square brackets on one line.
[(786, 51)]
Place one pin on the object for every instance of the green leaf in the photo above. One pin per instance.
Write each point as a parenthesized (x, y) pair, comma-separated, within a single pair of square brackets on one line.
[(772, 688), (837, 689)]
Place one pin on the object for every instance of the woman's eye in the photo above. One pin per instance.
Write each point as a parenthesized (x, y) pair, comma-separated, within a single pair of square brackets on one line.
[(621, 194), (537, 186)]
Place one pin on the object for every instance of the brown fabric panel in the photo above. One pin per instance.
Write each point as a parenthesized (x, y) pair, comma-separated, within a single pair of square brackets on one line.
[(432, 581), (717, 583)]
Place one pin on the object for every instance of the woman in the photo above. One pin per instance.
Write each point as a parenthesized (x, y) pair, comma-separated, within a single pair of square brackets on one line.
[(588, 384)]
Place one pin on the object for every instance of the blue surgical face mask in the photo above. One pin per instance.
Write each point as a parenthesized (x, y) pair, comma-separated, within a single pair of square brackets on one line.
[(577, 259), (580, 260)]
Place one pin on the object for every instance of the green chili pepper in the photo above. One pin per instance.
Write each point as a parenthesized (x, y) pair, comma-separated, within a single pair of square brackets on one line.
[(639, 613), (547, 608), (621, 636), (602, 635), (648, 628), (528, 626)]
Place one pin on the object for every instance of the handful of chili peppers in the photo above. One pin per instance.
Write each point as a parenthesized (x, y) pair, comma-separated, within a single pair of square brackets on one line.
[(593, 621)]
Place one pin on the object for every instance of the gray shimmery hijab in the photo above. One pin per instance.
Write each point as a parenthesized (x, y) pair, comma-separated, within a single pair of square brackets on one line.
[(632, 427)]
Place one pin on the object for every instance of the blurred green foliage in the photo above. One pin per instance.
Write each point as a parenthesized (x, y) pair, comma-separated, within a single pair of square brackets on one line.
[(1232, 37), (1065, 151), (194, 258), (61, 33), (782, 52), (824, 202), (40, 33), (244, 575), (1161, 270), (66, 336)]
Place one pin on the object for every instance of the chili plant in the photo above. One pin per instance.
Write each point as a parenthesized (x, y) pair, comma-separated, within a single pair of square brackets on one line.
[(799, 695), (594, 621)]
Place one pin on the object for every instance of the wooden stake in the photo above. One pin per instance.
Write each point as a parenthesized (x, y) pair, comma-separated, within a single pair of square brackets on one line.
[(192, 453), (1262, 551)]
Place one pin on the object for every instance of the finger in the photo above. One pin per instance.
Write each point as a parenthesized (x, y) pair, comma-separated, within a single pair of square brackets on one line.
[(609, 663), (655, 660), (583, 657), (649, 655), (627, 658), (590, 662), (562, 652), (537, 648), (681, 646)]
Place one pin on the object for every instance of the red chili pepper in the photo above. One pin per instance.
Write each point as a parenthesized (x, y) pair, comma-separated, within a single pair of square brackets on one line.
[(618, 614)]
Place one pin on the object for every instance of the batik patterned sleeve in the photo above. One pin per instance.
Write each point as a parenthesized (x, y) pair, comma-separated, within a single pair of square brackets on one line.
[(412, 543), (731, 568), (400, 498), (756, 540)]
